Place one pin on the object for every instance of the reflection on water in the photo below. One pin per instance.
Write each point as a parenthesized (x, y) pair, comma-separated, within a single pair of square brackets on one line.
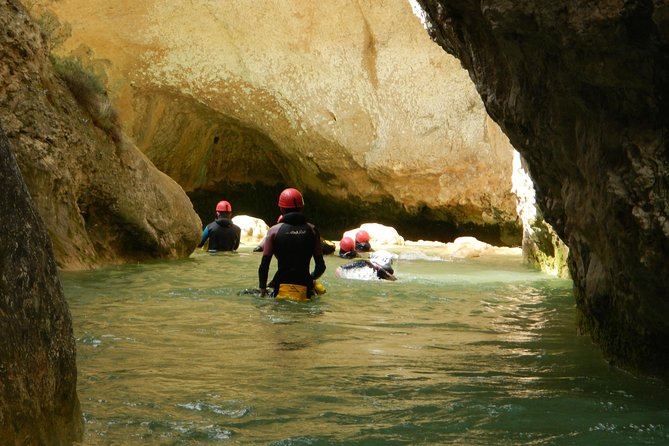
[(471, 352)]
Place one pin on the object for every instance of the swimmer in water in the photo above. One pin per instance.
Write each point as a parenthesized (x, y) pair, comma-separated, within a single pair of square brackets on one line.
[(378, 267)]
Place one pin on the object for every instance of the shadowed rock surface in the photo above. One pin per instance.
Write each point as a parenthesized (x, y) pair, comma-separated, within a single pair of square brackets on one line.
[(581, 89), (38, 375)]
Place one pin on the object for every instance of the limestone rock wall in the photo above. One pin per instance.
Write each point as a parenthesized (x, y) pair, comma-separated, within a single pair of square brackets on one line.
[(542, 247), (336, 98), (38, 375), (102, 201), (581, 89)]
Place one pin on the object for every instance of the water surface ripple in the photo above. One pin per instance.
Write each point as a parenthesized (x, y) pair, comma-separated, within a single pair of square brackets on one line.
[(474, 352)]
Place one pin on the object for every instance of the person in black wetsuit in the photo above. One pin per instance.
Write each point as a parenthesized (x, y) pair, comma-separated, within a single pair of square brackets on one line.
[(293, 242), (222, 233)]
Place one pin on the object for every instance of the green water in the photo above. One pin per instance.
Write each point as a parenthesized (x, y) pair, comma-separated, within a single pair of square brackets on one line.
[(475, 352)]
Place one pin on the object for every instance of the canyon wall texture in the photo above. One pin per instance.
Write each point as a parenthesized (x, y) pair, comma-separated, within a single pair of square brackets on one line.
[(542, 248), (38, 375), (336, 98), (581, 89), (102, 201)]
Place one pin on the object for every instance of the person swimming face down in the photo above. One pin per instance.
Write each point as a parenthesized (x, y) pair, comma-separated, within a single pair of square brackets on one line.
[(378, 267)]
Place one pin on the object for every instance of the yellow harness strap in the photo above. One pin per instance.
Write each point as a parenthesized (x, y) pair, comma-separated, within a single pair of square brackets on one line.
[(292, 292)]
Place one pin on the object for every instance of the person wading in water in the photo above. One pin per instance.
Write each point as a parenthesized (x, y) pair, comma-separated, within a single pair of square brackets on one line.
[(222, 233), (293, 242)]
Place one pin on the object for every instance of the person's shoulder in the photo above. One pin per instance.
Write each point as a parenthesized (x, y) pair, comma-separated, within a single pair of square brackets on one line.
[(274, 229)]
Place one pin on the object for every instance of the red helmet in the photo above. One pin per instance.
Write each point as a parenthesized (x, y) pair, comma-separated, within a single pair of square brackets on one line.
[(291, 199), (362, 236), (223, 206), (346, 244)]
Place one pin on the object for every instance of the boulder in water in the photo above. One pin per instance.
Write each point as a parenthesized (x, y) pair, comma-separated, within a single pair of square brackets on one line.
[(253, 229), (378, 234)]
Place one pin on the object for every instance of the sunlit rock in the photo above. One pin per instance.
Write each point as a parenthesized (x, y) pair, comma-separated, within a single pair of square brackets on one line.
[(253, 229), (542, 247), (336, 98), (467, 247), (378, 234)]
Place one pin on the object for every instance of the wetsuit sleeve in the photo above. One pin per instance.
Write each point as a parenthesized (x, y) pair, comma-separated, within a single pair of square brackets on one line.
[(263, 271), (319, 267), (268, 251), (205, 236)]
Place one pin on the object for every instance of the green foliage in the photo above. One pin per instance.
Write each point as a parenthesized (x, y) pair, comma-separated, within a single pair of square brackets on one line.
[(86, 86), (89, 91)]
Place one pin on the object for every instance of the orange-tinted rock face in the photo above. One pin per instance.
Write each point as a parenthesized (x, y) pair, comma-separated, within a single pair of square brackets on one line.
[(581, 89), (334, 98), (100, 199)]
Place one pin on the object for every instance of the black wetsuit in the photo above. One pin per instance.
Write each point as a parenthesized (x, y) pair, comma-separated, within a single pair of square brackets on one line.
[(381, 273), (223, 235), (293, 242), (363, 246)]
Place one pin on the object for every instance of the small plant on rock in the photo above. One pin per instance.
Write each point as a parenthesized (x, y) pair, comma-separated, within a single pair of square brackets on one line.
[(89, 91)]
